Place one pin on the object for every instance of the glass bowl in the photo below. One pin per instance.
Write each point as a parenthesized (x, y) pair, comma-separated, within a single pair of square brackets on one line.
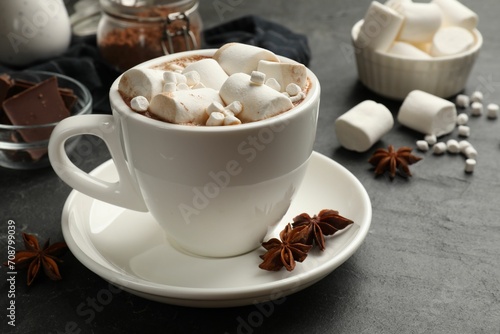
[(17, 154)]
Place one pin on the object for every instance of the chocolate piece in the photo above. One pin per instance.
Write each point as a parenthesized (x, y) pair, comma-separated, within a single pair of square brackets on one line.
[(5, 85), (39, 104)]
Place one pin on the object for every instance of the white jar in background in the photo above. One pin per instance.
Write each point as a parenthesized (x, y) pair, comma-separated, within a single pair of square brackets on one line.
[(32, 30)]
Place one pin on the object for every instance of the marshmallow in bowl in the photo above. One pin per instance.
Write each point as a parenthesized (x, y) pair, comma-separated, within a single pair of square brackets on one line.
[(184, 106), (380, 27), (211, 73), (258, 101), (421, 21), (141, 82), (451, 40), (408, 50), (427, 113), (237, 57), (457, 14), (363, 125)]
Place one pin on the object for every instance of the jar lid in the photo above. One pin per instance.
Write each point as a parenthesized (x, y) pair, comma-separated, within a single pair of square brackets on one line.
[(85, 19)]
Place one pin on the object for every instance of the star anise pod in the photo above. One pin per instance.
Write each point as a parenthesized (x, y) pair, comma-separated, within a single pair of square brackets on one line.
[(393, 161), (35, 257), (327, 222), (284, 252)]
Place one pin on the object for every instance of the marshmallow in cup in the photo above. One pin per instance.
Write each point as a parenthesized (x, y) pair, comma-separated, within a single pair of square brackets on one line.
[(215, 190)]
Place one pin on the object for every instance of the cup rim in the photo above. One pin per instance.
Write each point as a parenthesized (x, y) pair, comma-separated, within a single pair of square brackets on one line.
[(476, 47), (118, 104)]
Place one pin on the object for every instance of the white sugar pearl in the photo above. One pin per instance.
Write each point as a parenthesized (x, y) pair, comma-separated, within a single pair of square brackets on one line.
[(293, 89), (274, 84), (463, 131), (422, 145), (215, 119), (452, 146), (139, 103), (462, 101), (258, 78), (439, 148), (469, 165), (477, 96), (431, 139), (492, 110), (462, 119), (476, 109)]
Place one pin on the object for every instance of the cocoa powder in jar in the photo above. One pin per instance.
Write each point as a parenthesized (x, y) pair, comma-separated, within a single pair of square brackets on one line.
[(124, 43)]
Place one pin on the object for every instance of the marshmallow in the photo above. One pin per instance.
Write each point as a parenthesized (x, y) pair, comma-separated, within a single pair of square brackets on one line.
[(407, 50), (237, 57), (395, 4), (463, 131), (476, 109), (235, 107), (422, 145), (469, 165), (462, 145), (192, 78), (470, 152), (476, 96), (284, 73), (457, 14), (257, 78), (210, 72), (430, 139), (452, 146), (363, 125), (169, 87), (380, 27), (215, 119), (421, 21), (258, 101), (450, 41), (462, 101), (492, 110), (428, 113), (293, 89), (462, 119), (139, 103), (141, 82), (184, 106), (439, 148), (182, 86)]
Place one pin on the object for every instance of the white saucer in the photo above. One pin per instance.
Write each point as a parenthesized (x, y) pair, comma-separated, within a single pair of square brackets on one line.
[(128, 248)]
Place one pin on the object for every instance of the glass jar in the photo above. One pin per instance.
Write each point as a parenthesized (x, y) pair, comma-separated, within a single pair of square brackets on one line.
[(133, 31)]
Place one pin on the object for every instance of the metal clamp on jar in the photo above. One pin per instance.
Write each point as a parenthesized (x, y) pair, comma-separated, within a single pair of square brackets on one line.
[(133, 31)]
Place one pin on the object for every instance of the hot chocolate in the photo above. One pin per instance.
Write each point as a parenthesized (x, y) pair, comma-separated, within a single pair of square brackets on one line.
[(239, 84)]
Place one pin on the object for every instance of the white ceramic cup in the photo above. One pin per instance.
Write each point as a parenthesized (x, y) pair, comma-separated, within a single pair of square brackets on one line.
[(216, 191)]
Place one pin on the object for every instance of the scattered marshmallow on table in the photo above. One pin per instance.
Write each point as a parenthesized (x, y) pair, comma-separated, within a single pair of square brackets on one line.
[(407, 50), (141, 82), (430, 139), (428, 113), (449, 41), (470, 164), (184, 106), (258, 101), (476, 96), (462, 101), (456, 14), (210, 72), (492, 110), (462, 119), (284, 73), (421, 21), (422, 145), (452, 146), (363, 125), (463, 131), (476, 109), (380, 27), (237, 57), (439, 148)]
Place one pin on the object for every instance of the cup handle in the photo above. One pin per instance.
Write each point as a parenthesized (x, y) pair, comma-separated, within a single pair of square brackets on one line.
[(125, 192)]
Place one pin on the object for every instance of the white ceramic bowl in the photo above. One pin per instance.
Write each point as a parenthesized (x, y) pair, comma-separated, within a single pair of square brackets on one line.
[(394, 76)]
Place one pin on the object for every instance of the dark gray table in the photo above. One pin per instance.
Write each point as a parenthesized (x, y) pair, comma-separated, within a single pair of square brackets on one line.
[(430, 263)]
